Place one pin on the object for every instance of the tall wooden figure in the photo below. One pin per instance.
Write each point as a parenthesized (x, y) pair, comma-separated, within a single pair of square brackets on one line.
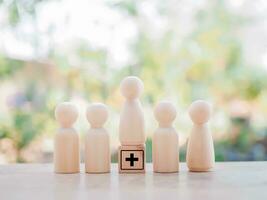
[(66, 146), (165, 142), (97, 147), (131, 130), (200, 150)]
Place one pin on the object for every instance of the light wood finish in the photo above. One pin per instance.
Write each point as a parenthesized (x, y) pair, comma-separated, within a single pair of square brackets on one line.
[(132, 123), (66, 114), (97, 145), (131, 159), (97, 151), (239, 181), (165, 141), (66, 145), (200, 150), (67, 151)]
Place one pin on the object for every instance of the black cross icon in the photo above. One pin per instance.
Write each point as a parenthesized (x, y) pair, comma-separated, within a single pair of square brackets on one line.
[(131, 159)]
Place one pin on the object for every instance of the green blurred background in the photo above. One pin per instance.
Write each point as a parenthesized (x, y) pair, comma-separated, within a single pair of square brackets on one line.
[(79, 51)]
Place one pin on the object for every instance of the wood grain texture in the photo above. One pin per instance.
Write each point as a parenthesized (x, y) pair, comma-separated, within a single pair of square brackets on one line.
[(236, 180)]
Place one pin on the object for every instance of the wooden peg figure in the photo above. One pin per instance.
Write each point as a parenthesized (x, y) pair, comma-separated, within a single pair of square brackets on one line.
[(165, 141), (200, 150), (97, 147), (131, 128), (66, 146)]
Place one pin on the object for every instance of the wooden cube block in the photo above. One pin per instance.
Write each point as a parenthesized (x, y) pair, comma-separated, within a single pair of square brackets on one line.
[(131, 159)]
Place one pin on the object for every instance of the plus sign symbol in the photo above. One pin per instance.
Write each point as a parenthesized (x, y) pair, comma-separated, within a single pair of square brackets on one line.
[(131, 159)]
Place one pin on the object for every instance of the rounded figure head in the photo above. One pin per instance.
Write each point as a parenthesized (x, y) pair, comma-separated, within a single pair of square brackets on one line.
[(200, 112), (66, 114), (97, 114), (165, 113), (131, 87)]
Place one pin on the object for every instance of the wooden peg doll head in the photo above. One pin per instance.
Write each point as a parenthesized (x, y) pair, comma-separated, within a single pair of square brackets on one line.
[(165, 113), (66, 114), (200, 112), (97, 114), (131, 87)]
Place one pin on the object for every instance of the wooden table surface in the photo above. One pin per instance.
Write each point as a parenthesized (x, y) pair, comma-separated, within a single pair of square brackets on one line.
[(231, 180)]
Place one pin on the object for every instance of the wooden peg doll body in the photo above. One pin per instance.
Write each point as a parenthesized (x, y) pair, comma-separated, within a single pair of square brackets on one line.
[(66, 145), (165, 142), (97, 145), (132, 123), (200, 150)]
